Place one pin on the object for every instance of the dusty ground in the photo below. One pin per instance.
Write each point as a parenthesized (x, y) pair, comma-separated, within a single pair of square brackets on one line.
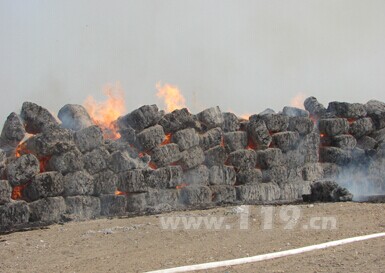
[(141, 244)]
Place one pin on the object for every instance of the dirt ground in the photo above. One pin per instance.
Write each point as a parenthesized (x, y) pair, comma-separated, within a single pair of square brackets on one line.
[(143, 243)]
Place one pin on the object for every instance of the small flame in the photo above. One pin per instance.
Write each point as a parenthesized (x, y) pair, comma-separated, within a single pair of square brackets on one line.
[(181, 186), (251, 145), (17, 192), (167, 139), (171, 95), (222, 141), (152, 165), (245, 116), (322, 135), (21, 149), (120, 193), (105, 113), (298, 100)]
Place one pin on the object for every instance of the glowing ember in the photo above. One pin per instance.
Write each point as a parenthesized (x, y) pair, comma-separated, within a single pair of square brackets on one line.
[(251, 145), (120, 193), (107, 112), (152, 165), (167, 139), (17, 192), (172, 97), (43, 163), (245, 116), (222, 141), (181, 186), (322, 135), (298, 100)]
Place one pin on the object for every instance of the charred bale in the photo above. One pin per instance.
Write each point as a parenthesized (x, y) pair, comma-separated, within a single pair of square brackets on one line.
[(5, 192), (346, 142), (74, 117), (315, 108), (328, 191), (121, 161), (235, 141), (242, 159), (141, 118), (211, 138), (258, 133), (23, 169), (13, 132), (333, 126), (294, 112), (286, 140), (230, 122), (258, 192), (366, 143), (164, 178), (274, 122), (215, 156), (249, 176), (222, 175), (67, 162), (166, 154), (105, 182), (47, 184), (312, 172), (361, 127), (334, 155), (151, 137), (222, 194), (132, 181), (13, 214), (195, 195), (211, 117), (347, 110), (97, 160), (276, 174), (48, 210), (302, 125), (186, 138), (177, 120), (269, 158), (197, 176), (82, 207), (192, 158), (113, 205), (78, 183), (89, 138), (36, 118)]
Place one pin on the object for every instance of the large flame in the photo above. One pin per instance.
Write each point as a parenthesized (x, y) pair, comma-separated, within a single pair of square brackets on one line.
[(298, 100), (105, 113), (171, 95)]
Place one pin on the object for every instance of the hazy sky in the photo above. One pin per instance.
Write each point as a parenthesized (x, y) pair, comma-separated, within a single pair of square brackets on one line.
[(241, 55)]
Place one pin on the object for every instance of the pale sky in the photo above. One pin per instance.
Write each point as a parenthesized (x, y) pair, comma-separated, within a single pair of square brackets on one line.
[(242, 55)]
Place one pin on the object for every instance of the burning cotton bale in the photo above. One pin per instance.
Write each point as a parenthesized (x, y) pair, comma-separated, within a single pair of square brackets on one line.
[(5, 192), (186, 138), (141, 118), (47, 184), (222, 175), (347, 110), (13, 132), (74, 117), (235, 141), (328, 191), (36, 118), (23, 169), (151, 137), (230, 122), (177, 120), (211, 117)]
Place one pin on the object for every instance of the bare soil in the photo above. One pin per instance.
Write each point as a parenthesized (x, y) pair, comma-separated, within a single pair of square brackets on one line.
[(141, 244)]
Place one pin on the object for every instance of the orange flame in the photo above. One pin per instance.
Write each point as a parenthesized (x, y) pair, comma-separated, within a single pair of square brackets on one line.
[(181, 186), (152, 165), (17, 192), (120, 193), (21, 149), (171, 95), (245, 116), (167, 139), (298, 100), (105, 113)]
